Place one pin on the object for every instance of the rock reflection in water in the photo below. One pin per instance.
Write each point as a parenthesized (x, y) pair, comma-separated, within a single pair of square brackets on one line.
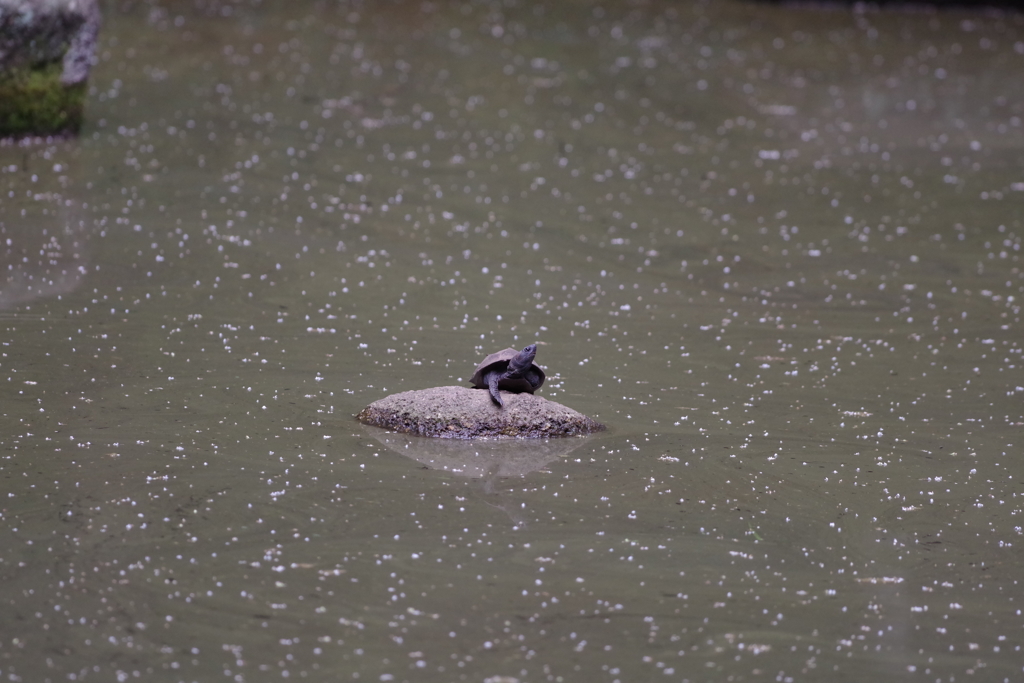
[(488, 460), (42, 262), (480, 458)]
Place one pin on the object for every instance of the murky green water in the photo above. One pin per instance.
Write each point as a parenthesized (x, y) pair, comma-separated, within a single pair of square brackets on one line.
[(776, 250)]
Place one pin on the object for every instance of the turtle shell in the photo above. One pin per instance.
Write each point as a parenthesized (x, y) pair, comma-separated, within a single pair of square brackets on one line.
[(499, 361)]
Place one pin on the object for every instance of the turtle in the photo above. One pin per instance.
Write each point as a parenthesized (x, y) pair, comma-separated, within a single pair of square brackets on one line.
[(510, 370)]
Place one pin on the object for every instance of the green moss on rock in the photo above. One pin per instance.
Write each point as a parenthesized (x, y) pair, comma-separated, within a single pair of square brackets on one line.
[(34, 101)]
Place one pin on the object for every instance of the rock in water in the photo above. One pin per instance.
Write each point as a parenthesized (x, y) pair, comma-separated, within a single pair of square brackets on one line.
[(462, 413), (46, 49)]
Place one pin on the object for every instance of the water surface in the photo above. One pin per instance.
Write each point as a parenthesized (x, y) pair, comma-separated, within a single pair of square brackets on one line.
[(776, 250)]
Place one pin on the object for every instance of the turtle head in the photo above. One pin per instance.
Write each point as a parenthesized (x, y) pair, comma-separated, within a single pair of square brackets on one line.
[(523, 359)]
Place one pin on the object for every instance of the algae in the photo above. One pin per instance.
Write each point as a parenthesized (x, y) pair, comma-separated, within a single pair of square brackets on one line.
[(34, 101)]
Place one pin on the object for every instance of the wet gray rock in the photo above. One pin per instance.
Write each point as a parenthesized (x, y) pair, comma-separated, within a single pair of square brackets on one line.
[(36, 32), (463, 413)]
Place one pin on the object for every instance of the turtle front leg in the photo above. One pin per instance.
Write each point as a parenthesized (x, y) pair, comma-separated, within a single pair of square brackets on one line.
[(492, 385)]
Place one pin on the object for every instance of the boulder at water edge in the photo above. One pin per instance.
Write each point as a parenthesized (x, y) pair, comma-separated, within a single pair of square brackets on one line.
[(46, 50)]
